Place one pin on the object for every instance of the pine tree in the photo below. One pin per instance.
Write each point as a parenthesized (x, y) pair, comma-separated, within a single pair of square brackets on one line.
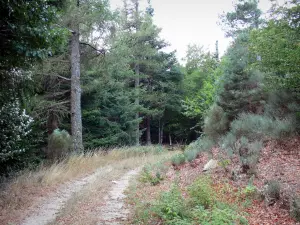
[(245, 17), (108, 98), (82, 18), (143, 44), (241, 89)]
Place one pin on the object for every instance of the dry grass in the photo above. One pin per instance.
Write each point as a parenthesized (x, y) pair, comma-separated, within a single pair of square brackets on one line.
[(22, 191), (85, 206)]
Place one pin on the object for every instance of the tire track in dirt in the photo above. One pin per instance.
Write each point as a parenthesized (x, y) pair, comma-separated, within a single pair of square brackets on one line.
[(49, 207), (113, 212)]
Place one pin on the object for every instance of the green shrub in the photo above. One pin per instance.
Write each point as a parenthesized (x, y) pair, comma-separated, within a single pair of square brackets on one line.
[(282, 103), (295, 208), (15, 127), (190, 154), (220, 213), (201, 192), (273, 190), (201, 206), (224, 163), (171, 206), (249, 154), (247, 134), (248, 151), (257, 127), (59, 144), (147, 176), (228, 143), (206, 144), (153, 174), (202, 144), (249, 191), (178, 159), (216, 123)]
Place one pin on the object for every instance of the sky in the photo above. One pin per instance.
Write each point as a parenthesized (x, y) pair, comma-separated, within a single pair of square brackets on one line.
[(186, 22)]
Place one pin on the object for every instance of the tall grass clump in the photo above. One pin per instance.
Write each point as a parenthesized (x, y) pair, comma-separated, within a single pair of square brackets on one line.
[(154, 173), (136, 151)]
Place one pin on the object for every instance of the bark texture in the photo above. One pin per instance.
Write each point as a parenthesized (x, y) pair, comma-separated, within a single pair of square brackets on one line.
[(148, 130), (76, 121), (137, 102), (160, 131)]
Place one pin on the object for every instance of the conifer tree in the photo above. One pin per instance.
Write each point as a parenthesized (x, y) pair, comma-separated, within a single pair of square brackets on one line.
[(143, 43), (240, 85), (241, 89)]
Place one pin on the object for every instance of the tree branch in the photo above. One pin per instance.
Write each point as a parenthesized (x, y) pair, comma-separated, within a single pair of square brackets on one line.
[(99, 51), (64, 78)]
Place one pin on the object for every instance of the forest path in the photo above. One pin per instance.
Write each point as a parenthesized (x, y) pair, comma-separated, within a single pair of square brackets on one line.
[(114, 212), (101, 191), (49, 207), (97, 198)]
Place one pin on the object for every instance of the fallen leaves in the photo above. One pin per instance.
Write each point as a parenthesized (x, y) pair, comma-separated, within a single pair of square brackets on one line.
[(278, 161)]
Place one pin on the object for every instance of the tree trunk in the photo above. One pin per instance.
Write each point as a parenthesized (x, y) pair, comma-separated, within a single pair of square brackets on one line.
[(162, 133), (170, 139), (76, 123), (148, 130), (159, 137), (137, 102)]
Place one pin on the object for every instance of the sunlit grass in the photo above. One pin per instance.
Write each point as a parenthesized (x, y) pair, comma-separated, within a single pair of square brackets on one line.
[(21, 191)]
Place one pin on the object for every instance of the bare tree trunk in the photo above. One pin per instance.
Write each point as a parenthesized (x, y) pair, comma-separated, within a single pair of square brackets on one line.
[(137, 102), (137, 74), (162, 133), (170, 139), (159, 137), (148, 130), (76, 123)]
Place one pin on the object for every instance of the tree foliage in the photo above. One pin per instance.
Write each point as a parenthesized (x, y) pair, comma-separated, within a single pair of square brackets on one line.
[(133, 91), (28, 31), (277, 44)]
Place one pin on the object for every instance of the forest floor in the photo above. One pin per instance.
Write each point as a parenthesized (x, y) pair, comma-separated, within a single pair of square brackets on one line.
[(278, 161), (94, 196)]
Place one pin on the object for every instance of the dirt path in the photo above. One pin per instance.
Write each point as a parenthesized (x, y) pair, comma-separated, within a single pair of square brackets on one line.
[(49, 207), (113, 211)]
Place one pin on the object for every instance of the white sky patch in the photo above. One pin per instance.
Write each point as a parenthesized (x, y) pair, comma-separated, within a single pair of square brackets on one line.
[(186, 22)]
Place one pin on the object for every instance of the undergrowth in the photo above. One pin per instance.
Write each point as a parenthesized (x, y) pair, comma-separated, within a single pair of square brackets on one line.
[(178, 159), (202, 144), (203, 202), (155, 173)]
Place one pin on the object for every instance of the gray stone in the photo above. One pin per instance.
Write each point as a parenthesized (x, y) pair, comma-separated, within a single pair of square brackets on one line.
[(212, 164)]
